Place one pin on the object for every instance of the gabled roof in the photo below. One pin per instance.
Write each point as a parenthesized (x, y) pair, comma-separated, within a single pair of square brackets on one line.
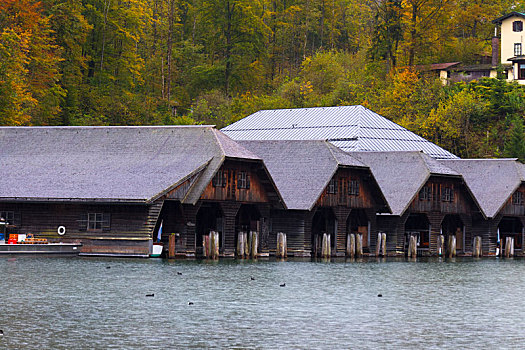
[(301, 169), (508, 15), (130, 164), (351, 128), (436, 66), (401, 175), (491, 181)]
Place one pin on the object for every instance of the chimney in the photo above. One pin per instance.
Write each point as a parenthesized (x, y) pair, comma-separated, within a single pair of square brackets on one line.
[(495, 48)]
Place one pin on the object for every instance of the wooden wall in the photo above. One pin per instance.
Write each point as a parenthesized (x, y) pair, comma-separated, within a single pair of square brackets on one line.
[(230, 192), (342, 196), (462, 202), (129, 232)]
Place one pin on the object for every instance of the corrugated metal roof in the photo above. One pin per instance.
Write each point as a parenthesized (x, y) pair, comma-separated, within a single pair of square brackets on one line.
[(351, 128)]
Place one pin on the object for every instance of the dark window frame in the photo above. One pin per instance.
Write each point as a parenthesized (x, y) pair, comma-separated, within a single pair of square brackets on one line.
[(517, 198), (220, 179), (332, 187), (425, 194), (517, 26), (517, 49), (353, 187), (243, 180), (447, 194)]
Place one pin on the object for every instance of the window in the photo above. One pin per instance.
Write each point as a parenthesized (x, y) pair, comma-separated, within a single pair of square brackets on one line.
[(95, 222), (517, 26), (517, 49), (425, 194), (243, 180), (220, 179), (353, 188), (447, 195), (521, 71), (9, 216), (332, 186), (517, 198)]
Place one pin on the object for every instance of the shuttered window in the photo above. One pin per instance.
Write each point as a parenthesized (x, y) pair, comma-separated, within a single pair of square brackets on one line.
[(243, 180), (353, 188), (517, 26), (425, 194), (447, 195), (517, 198), (220, 179), (517, 49), (332, 187)]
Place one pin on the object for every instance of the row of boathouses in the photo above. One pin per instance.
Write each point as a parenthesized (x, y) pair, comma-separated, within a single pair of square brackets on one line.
[(201, 193)]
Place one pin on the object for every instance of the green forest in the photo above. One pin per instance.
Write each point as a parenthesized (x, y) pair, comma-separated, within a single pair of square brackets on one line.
[(154, 62)]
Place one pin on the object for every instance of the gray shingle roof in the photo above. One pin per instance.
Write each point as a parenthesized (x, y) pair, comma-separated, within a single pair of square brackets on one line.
[(401, 175), (109, 163), (491, 181), (301, 169), (351, 128)]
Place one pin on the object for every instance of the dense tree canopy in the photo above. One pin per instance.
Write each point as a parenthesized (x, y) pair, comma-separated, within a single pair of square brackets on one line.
[(141, 62)]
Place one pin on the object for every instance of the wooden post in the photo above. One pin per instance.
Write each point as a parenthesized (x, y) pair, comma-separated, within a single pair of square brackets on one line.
[(512, 246), (350, 245), (254, 244), (451, 246), (378, 244), (441, 245), (383, 244), (281, 245), (412, 247), (359, 245), (206, 246), (171, 247), (240, 245), (507, 247), (246, 245), (476, 247), (214, 245), (326, 246)]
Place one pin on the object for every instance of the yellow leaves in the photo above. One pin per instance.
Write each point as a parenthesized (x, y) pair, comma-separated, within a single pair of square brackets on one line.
[(306, 89)]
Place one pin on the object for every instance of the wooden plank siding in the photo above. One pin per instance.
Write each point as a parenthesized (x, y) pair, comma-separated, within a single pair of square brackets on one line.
[(435, 208), (130, 228)]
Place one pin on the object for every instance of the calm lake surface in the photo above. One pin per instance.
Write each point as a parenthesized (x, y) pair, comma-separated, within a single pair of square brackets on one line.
[(71, 303)]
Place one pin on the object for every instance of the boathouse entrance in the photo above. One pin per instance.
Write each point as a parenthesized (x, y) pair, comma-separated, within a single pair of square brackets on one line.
[(452, 225), (513, 228), (419, 226), (209, 218), (247, 219), (358, 223), (324, 221)]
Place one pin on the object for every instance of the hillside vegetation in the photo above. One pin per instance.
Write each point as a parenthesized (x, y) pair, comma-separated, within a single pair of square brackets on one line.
[(144, 62)]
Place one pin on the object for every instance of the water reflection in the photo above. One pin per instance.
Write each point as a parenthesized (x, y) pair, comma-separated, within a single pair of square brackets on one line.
[(64, 303)]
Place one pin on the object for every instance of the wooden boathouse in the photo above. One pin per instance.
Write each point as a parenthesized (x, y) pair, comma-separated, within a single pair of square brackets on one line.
[(499, 187), (326, 191), (111, 188), (430, 202)]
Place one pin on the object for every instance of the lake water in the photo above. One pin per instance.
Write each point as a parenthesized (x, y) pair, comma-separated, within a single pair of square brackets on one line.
[(70, 303)]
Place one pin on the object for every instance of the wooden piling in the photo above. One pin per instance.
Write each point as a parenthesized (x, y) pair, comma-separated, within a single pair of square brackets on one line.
[(412, 247), (241, 245), (383, 244), (326, 247), (246, 245), (171, 246), (281, 245), (350, 245), (359, 245), (378, 244), (512, 246), (214, 245), (451, 246), (476, 247), (254, 244), (206, 246), (441, 245)]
